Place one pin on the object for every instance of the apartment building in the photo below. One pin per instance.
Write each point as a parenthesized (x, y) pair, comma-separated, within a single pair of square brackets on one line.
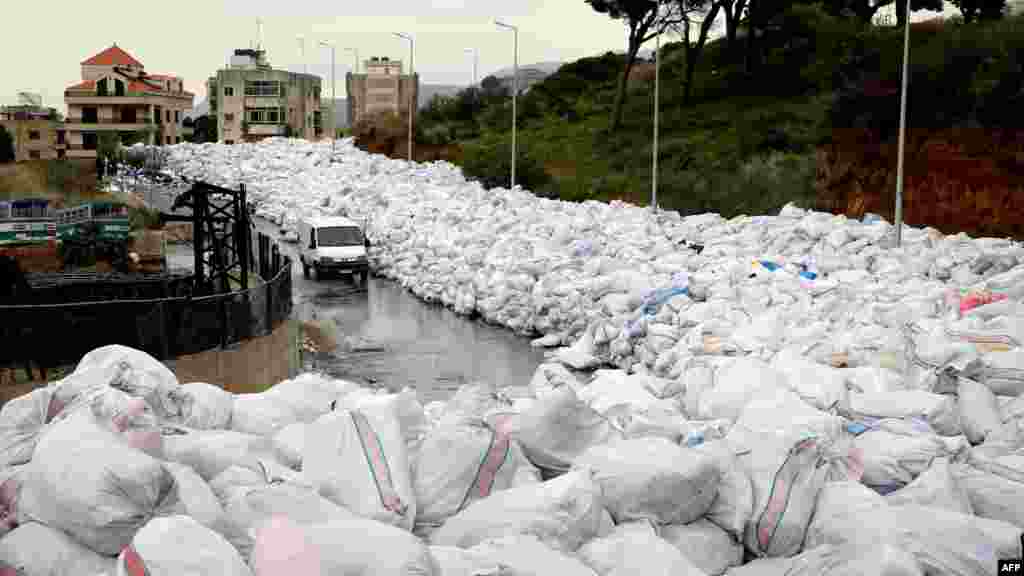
[(251, 101), (117, 95), (383, 88), (35, 130)]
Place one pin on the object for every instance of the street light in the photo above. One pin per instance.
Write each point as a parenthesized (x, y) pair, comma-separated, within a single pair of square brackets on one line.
[(411, 79), (476, 57), (903, 123), (334, 121), (302, 52), (654, 154), (515, 88)]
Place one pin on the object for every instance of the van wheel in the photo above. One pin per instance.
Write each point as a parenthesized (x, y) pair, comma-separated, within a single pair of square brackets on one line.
[(363, 277), (305, 269)]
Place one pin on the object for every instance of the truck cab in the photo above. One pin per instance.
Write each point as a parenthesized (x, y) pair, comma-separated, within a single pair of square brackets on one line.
[(333, 244)]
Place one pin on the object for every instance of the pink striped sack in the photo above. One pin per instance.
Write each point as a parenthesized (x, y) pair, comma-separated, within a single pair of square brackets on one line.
[(358, 459), (462, 461)]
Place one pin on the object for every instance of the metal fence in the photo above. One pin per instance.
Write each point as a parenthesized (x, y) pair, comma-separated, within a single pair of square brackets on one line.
[(59, 334)]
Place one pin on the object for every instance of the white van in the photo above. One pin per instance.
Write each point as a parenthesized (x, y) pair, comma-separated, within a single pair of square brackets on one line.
[(332, 245)]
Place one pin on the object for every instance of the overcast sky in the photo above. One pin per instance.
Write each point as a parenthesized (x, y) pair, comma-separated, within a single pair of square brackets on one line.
[(192, 38)]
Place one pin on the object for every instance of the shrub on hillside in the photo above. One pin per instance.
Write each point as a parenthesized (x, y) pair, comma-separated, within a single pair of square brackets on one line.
[(490, 163)]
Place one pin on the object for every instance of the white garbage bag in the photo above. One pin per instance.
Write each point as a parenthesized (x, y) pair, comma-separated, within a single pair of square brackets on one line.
[(877, 559), (210, 452), (558, 428), (22, 419), (824, 387), (205, 406), (358, 459), (87, 482), (940, 411), (563, 512), (613, 388), (551, 376), (197, 498), (452, 561), (289, 443), (260, 472), (353, 547), (636, 548), (894, 451), (837, 504), (652, 479), (710, 548), (936, 487), (301, 399), (526, 555), (404, 405), (10, 490), (733, 506), (137, 374), (462, 462), (179, 545), (246, 508), (724, 391), (1002, 372), (37, 550), (979, 410), (993, 477)]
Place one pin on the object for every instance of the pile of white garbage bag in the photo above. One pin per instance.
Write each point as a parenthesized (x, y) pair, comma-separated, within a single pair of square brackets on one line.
[(120, 469)]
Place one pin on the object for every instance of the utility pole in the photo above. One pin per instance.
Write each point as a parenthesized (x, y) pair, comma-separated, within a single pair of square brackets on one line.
[(515, 88), (903, 125), (334, 120), (657, 66), (412, 82)]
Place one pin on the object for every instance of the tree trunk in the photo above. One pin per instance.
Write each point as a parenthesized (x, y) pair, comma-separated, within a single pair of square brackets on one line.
[(620, 94), (693, 53)]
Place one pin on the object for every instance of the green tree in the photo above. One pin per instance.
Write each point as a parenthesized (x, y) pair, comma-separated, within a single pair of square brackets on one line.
[(6, 146), (643, 22), (699, 14), (980, 10)]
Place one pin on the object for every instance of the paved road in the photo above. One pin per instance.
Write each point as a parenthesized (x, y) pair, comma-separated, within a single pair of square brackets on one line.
[(390, 338)]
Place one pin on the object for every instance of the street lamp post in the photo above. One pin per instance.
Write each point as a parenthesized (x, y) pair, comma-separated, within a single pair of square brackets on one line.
[(412, 76), (355, 70), (302, 52), (903, 125), (334, 121), (475, 59), (515, 89), (355, 61), (654, 169)]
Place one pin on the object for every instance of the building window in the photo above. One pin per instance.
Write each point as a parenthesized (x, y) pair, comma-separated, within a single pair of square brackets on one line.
[(60, 136), (264, 115), (229, 91), (168, 139), (263, 88), (118, 88), (90, 115), (34, 154), (89, 140), (101, 87), (229, 141), (60, 153), (177, 116), (158, 113), (168, 115), (33, 134), (229, 117), (128, 116), (316, 93)]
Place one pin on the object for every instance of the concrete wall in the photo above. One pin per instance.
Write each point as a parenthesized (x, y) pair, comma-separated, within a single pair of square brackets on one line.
[(301, 100), (252, 366), (368, 95)]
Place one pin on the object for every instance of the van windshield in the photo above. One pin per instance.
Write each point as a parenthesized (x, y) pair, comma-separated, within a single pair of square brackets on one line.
[(347, 236)]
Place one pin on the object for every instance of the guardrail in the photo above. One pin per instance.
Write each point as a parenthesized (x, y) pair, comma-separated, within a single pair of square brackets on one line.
[(52, 335)]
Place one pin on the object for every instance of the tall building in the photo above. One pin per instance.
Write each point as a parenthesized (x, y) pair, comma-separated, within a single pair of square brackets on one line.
[(36, 131), (252, 101), (383, 88), (118, 96)]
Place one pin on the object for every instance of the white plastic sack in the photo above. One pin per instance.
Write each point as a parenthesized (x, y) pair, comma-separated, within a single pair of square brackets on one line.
[(137, 374), (1002, 372), (710, 548), (526, 555), (878, 559), (563, 512), (452, 561), (359, 460), (837, 504), (249, 507), (558, 428), (935, 487), (636, 550), (728, 388), (179, 545), (894, 452), (462, 462), (10, 490), (939, 410), (37, 550), (289, 442), (407, 409), (210, 452), (551, 376), (197, 498), (86, 482), (821, 386), (614, 387), (979, 410), (353, 547), (301, 399), (994, 480), (21, 421), (205, 406), (734, 503), (652, 479)]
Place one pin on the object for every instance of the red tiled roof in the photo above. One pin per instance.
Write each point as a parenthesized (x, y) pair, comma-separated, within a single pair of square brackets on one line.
[(87, 85), (112, 56)]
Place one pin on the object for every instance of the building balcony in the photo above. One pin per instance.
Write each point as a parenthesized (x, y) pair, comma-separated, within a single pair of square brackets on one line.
[(266, 129), (107, 124)]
